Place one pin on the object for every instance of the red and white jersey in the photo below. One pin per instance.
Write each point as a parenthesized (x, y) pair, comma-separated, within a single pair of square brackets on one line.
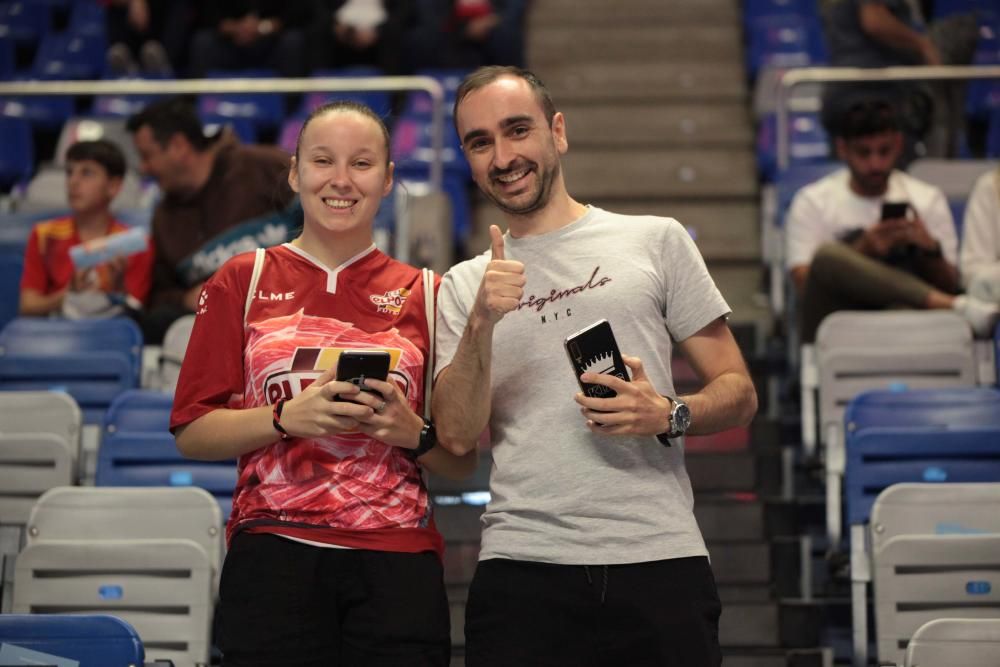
[(346, 490)]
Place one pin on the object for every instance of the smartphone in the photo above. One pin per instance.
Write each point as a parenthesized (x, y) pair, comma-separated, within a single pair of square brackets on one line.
[(894, 209), (594, 350), (355, 366)]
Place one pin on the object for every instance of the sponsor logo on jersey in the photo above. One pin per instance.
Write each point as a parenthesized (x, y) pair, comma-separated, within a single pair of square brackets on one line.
[(392, 301), (308, 363)]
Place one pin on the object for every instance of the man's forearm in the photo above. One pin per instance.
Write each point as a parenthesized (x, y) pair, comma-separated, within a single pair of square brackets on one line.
[(940, 273), (461, 400), (728, 401)]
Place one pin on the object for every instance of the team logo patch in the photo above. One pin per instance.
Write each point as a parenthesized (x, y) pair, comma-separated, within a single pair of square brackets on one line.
[(392, 301)]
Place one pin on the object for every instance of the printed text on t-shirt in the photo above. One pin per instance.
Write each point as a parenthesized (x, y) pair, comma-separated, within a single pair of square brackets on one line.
[(539, 303)]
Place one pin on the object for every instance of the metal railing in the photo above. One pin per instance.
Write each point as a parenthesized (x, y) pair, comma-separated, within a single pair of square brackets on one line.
[(243, 85), (797, 77)]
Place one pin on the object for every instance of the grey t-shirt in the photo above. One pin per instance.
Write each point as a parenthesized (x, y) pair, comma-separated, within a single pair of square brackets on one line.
[(561, 494)]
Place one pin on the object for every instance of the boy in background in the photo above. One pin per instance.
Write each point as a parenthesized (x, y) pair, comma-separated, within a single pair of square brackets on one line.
[(51, 283)]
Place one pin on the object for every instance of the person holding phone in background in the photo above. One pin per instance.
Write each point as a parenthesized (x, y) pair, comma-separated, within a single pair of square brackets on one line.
[(333, 555), (590, 552), (869, 236)]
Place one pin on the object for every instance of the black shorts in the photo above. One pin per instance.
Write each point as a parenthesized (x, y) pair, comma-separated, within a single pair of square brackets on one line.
[(296, 605), (663, 613)]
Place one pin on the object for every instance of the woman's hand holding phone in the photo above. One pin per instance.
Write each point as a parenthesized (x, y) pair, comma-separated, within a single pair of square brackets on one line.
[(315, 412), (391, 420)]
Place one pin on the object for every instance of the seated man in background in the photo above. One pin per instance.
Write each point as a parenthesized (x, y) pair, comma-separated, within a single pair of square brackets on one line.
[(846, 251), (979, 260), (216, 196), (52, 282)]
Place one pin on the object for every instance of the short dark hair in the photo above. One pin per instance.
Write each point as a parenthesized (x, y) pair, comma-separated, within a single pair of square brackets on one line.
[(103, 152), (171, 116), (867, 118), (344, 105), (484, 76)]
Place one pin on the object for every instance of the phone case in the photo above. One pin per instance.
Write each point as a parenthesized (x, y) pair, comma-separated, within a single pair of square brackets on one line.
[(355, 366), (894, 209), (595, 350)]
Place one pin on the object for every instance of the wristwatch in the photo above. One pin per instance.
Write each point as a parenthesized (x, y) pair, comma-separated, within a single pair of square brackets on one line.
[(680, 421), (428, 439)]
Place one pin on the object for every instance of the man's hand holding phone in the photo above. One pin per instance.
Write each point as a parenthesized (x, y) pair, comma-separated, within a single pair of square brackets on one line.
[(636, 410), (503, 283)]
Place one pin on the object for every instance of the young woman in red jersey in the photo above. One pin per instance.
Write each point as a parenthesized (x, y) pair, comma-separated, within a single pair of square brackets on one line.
[(333, 554)]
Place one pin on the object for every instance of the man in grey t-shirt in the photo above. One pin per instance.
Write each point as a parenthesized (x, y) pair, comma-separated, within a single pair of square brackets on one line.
[(591, 553)]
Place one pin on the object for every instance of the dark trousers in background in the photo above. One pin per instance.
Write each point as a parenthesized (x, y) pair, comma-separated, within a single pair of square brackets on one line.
[(661, 613), (296, 605)]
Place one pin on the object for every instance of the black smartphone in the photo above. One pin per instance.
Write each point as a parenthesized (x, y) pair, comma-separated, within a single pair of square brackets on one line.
[(894, 209), (355, 366), (594, 350)]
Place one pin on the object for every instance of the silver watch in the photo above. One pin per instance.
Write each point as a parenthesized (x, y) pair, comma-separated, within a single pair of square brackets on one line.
[(680, 420)]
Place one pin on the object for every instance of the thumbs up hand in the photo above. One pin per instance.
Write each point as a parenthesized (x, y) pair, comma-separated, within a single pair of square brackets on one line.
[(503, 283)]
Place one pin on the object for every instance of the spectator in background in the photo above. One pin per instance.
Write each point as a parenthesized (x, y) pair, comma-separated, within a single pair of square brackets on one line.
[(979, 260), (243, 34), (893, 33), (467, 33), (843, 256), (348, 33), (214, 194), (147, 36), (51, 284)]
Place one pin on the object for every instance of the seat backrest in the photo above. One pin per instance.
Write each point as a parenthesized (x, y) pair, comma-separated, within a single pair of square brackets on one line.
[(859, 351), (30, 465), (935, 553), (955, 642), (96, 640), (949, 406), (109, 513), (11, 267), (17, 152), (139, 410), (92, 360), (175, 342), (954, 177), (42, 412), (162, 587)]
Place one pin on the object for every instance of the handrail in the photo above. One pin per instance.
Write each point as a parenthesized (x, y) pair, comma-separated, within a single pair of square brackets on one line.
[(796, 77)]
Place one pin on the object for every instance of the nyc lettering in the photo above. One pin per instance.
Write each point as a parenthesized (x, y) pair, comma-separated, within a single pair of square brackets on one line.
[(555, 316), (272, 296)]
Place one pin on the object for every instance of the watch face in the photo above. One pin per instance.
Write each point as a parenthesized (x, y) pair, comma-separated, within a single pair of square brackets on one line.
[(681, 418)]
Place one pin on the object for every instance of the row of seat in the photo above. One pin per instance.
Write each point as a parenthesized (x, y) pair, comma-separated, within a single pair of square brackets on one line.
[(890, 398)]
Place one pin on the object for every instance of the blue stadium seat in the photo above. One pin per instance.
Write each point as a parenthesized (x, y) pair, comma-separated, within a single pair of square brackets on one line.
[(7, 58), (94, 640), (379, 101), (87, 18), (289, 134), (790, 181), (92, 360), (17, 152), (25, 22), (948, 7), (45, 111), (15, 228), (243, 128), (754, 9), (993, 134), (996, 351), (68, 55), (930, 435), (808, 142), (137, 449), (264, 110), (11, 266), (419, 103), (783, 41), (983, 95)]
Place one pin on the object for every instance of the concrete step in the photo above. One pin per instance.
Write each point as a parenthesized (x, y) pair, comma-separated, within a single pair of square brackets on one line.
[(740, 563), (637, 82), (651, 173), (667, 45), (656, 124), (737, 657), (712, 472), (600, 13)]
